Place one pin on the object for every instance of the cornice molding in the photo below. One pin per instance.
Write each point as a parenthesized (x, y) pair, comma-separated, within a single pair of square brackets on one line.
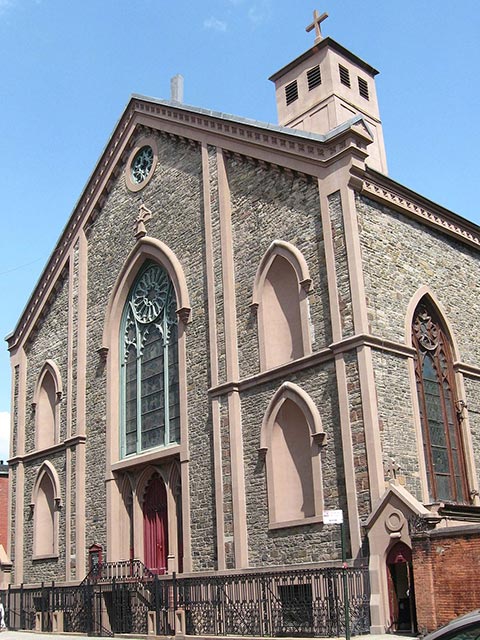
[(353, 137), (45, 454), (323, 356), (468, 370), (380, 188)]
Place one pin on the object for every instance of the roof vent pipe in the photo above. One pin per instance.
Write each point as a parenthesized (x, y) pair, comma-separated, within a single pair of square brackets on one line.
[(176, 88)]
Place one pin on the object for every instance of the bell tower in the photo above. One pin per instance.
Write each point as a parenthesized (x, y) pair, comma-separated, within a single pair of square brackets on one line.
[(327, 86)]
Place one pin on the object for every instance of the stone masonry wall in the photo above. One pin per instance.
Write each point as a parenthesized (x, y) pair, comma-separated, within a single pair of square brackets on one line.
[(341, 264), (269, 205), (174, 195), (400, 256), (48, 341), (311, 543), (395, 409)]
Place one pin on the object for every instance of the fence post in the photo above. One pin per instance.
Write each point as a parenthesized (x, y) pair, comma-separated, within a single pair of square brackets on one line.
[(22, 612), (156, 596), (7, 621), (175, 599)]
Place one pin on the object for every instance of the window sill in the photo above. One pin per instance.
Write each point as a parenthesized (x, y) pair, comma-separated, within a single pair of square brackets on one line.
[(144, 458), (295, 523), (48, 556)]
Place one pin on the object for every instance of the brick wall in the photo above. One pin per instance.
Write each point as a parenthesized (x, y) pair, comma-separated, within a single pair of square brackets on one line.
[(446, 565)]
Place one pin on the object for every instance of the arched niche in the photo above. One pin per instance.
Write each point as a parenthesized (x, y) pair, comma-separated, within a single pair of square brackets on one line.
[(45, 505), (280, 297), (291, 438), (46, 401)]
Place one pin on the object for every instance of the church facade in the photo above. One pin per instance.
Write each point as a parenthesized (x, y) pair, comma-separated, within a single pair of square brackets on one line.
[(242, 327)]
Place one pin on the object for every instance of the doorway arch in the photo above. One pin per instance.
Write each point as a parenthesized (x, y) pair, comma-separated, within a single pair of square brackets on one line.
[(401, 589), (155, 525)]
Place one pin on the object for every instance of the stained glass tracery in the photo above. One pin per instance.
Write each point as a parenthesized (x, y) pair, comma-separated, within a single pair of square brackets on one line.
[(149, 364), (435, 379), (142, 164)]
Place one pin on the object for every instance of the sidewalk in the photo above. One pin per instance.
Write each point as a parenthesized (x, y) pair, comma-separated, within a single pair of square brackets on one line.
[(31, 635)]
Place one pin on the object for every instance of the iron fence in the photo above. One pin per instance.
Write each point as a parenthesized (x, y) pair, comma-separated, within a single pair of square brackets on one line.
[(127, 598)]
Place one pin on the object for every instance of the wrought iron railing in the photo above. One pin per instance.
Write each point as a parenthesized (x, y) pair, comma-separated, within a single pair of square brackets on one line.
[(125, 597), (289, 603)]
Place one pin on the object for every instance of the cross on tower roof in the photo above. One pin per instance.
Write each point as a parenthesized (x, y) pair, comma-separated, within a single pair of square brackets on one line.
[(317, 20)]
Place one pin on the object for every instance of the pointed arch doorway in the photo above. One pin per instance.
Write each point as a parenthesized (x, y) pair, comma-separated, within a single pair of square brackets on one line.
[(401, 591), (155, 525)]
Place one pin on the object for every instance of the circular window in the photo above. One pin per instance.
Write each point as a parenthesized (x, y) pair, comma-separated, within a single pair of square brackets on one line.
[(141, 164)]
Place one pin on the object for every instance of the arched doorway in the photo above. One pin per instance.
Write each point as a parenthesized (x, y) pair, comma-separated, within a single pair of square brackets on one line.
[(155, 525), (401, 592)]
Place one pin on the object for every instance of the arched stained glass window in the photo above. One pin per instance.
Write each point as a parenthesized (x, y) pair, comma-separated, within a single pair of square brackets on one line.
[(444, 459), (149, 364)]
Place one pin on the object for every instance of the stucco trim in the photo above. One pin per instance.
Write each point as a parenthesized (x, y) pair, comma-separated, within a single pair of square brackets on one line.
[(47, 468), (290, 391), (213, 352), (289, 252)]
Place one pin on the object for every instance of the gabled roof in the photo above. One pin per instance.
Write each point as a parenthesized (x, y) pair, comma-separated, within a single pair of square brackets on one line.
[(300, 151)]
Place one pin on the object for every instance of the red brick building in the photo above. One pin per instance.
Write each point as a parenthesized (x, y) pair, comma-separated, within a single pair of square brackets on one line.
[(446, 562)]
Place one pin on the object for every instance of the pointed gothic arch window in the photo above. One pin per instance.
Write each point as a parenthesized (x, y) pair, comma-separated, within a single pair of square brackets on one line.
[(280, 293), (437, 399), (149, 364), (291, 437)]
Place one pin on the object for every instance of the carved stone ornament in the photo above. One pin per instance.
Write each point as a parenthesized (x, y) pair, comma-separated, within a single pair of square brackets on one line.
[(319, 438), (103, 353), (144, 214), (184, 314)]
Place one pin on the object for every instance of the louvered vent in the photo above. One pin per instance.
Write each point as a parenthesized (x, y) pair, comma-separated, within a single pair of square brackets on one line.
[(363, 88), (314, 77), (291, 92), (344, 75)]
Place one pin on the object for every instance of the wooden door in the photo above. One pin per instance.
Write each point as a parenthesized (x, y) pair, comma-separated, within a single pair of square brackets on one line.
[(155, 525)]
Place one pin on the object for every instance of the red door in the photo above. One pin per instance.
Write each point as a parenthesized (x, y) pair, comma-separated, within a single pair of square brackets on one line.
[(155, 525), (401, 589)]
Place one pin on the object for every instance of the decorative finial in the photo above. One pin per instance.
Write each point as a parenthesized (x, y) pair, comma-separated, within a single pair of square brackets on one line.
[(317, 20), (144, 214)]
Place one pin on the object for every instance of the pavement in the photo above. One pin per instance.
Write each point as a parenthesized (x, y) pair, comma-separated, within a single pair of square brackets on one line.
[(31, 635)]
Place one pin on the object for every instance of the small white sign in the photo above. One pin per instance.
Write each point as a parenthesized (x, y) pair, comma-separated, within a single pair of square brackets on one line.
[(333, 516)]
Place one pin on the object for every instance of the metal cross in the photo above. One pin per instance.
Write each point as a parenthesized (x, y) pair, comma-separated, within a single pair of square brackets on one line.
[(317, 20)]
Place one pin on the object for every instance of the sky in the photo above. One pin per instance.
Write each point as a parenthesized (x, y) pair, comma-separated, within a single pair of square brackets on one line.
[(68, 68)]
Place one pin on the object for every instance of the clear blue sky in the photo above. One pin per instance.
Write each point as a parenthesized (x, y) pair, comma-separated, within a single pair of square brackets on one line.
[(68, 68)]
